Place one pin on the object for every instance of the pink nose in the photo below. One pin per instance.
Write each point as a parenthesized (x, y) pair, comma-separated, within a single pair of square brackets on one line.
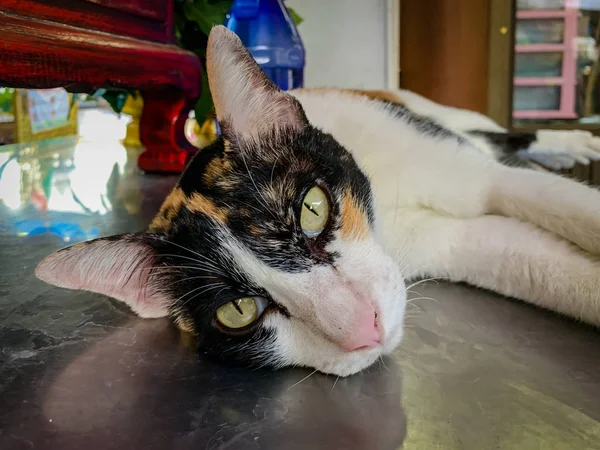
[(367, 333)]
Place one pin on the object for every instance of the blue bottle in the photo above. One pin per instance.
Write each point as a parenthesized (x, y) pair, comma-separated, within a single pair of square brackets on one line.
[(270, 35)]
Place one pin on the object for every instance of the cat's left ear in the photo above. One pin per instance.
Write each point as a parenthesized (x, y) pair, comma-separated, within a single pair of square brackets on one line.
[(246, 100), (117, 266)]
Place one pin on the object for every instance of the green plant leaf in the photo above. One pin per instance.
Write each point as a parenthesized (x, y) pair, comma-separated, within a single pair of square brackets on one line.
[(295, 17), (206, 14), (204, 105)]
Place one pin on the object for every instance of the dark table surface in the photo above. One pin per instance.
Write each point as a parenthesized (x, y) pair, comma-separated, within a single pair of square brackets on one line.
[(77, 370)]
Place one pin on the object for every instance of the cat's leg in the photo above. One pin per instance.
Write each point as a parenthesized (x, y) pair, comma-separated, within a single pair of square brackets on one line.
[(504, 255), (557, 204), (465, 184)]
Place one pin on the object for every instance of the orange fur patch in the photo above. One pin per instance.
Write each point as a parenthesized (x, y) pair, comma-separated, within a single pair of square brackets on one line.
[(215, 169), (388, 96), (354, 221), (184, 324), (200, 204), (163, 220), (372, 94)]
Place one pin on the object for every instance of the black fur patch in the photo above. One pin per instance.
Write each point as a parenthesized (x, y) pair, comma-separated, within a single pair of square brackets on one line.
[(509, 142), (508, 146), (423, 124)]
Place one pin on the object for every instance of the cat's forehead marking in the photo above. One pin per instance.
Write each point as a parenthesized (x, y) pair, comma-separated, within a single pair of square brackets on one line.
[(354, 221), (196, 203), (163, 221), (201, 204), (216, 169)]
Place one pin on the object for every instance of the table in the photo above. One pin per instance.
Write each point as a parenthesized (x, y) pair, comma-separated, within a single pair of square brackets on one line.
[(475, 371)]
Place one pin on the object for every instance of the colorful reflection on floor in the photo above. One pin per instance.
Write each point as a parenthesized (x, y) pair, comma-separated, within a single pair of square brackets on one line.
[(47, 186)]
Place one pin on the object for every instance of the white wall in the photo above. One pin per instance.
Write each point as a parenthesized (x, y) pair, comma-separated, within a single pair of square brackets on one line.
[(345, 42)]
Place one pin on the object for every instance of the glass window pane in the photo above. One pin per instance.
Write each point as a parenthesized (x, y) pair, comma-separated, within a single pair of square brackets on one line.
[(540, 4), (533, 65), (540, 31), (540, 98)]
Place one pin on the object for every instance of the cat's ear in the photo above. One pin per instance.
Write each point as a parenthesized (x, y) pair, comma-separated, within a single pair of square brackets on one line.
[(117, 266), (246, 100)]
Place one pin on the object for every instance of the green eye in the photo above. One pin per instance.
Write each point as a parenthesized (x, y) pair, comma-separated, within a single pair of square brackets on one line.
[(315, 212), (241, 312)]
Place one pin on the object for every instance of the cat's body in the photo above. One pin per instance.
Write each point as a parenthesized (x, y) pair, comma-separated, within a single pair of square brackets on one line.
[(288, 241), (449, 208)]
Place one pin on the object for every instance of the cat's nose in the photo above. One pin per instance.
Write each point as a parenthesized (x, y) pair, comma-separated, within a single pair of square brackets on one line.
[(367, 333)]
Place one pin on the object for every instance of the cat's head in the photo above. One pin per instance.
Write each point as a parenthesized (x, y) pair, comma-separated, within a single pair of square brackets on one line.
[(266, 248)]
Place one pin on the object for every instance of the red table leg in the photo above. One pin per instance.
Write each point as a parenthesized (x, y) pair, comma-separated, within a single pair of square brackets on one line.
[(162, 130)]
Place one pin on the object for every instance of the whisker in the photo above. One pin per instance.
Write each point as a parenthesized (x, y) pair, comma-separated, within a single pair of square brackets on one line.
[(192, 298), (202, 264), (434, 279), (273, 168), (199, 255), (397, 201), (206, 289), (260, 195), (383, 363), (334, 383), (166, 267), (421, 298), (409, 276), (193, 278), (219, 293), (305, 378)]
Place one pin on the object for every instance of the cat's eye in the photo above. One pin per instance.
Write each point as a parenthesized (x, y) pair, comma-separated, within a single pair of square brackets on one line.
[(315, 212), (241, 312)]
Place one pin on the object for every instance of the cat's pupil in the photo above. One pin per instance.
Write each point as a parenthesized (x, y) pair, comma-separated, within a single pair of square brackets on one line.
[(311, 209), (237, 307)]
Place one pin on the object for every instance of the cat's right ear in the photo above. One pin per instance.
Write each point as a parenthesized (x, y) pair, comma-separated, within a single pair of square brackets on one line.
[(246, 100), (117, 266)]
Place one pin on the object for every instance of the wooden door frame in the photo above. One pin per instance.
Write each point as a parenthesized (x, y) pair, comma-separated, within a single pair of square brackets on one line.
[(501, 61)]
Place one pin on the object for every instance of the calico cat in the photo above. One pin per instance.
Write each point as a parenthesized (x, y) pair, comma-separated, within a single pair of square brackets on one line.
[(288, 241)]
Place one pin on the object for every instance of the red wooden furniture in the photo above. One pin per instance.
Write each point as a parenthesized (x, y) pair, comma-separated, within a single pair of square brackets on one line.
[(83, 45)]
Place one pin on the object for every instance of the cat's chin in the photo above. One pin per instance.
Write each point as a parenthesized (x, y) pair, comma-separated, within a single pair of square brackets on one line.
[(352, 363), (297, 345)]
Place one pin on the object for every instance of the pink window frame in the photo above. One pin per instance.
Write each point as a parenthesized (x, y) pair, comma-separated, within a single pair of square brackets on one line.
[(568, 79)]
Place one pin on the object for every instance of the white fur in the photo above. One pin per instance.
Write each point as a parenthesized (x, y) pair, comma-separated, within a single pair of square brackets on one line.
[(448, 210), (324, 302)]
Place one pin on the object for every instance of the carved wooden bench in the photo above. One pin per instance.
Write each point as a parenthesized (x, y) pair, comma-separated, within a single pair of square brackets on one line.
[(84, 45)]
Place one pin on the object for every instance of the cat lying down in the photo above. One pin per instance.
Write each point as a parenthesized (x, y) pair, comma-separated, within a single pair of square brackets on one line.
[(290, 239)]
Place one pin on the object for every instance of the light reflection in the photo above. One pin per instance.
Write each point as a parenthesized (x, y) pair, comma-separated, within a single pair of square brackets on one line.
[(69, 175), (10, 180)]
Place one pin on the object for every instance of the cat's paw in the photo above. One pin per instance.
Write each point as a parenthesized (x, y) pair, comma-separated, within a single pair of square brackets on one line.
[(580, 146)]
